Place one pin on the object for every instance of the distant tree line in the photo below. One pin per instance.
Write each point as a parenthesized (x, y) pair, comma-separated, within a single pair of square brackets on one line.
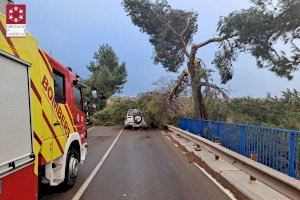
[(278, 112)]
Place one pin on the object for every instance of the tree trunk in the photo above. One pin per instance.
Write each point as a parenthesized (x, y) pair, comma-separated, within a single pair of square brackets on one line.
[(198, 100), (195, 69)]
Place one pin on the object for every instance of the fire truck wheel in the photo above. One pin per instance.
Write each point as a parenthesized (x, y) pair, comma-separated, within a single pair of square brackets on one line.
[(71, 168)]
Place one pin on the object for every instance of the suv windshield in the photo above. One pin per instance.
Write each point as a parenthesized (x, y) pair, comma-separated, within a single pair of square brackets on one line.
[(133, 112)]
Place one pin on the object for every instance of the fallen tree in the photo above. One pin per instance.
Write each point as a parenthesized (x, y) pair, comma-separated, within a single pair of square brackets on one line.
[(171, 32), (256, 30)]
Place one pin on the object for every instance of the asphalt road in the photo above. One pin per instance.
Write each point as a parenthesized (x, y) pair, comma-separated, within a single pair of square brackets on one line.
[(142, 165)]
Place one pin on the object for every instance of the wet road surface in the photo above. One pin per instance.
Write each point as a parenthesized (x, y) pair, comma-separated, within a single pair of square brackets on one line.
[(142, 165)]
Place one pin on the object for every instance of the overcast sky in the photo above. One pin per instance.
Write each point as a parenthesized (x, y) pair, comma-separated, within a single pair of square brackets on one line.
[(73, 31)]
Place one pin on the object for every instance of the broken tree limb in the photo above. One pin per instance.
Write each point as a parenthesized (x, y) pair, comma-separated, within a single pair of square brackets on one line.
[(174, 89)]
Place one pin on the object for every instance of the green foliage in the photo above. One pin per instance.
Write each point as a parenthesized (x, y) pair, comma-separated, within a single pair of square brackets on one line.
[(154, 19), (104, 117), (283, 112), (271, 111), (216, 108), (121, 106), (108, 75), (262, 30), (153, 107), (157, 112), (114, 114)]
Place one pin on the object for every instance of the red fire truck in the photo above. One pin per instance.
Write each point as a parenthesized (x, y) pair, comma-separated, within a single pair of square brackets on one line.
[(42, 119)]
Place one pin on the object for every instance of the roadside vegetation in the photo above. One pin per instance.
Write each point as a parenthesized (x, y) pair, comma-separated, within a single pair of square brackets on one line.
[(155, 109), (277, 112), (156, 112), (113, 114)]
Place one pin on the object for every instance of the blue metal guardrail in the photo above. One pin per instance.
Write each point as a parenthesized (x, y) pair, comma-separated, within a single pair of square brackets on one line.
[(276, 148)]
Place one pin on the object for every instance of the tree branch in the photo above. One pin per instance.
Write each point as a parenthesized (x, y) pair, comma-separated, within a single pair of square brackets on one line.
[(221, 90), (211, 40), (181, 40), (195, 47), (186, 27)]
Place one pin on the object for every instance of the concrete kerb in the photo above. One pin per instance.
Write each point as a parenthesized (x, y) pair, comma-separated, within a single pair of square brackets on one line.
[(239, 179)]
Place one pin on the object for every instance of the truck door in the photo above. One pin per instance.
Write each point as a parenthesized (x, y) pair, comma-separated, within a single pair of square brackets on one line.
[(79, 115), (58, 118)]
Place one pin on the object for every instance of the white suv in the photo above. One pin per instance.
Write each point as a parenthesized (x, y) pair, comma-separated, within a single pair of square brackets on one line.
[(134, 119)]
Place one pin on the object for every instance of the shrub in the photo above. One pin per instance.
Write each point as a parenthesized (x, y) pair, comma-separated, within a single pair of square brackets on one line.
[(157, 112), (104, 117), (113, 114), (154, 108)]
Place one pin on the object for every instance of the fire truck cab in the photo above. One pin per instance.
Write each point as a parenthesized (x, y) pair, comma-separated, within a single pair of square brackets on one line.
[(42, 119)]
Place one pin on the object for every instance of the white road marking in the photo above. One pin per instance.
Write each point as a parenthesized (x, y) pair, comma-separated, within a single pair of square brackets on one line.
[(94, 172), (226, 191), (91, 128)]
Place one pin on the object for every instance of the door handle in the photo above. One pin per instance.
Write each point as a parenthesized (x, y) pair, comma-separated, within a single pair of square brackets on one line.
[(56, 124)]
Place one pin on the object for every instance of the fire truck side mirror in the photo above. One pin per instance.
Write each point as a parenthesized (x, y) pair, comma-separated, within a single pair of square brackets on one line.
[(94, 94)]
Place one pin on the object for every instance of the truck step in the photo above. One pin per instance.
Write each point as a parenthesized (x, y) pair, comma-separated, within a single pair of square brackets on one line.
[(57, 182), (57, 167)]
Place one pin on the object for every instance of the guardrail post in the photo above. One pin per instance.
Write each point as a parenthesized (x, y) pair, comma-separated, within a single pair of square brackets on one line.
[(255, 158), (216, 156), (292, 154), (242, 142)]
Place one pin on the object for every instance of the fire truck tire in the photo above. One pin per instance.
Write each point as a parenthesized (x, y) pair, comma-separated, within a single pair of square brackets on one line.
[(71, 168)]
